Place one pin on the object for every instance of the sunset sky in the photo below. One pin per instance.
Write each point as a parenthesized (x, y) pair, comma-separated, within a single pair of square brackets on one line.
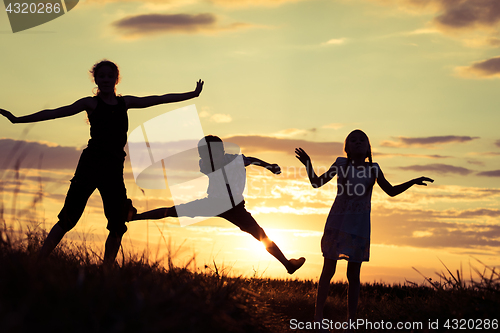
[(419, 77)]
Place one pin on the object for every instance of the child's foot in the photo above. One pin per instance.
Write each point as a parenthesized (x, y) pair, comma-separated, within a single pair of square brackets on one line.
[(131, 210), (296, 264)]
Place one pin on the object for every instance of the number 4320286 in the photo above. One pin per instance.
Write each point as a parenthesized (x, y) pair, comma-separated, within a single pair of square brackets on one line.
[(33, 8)]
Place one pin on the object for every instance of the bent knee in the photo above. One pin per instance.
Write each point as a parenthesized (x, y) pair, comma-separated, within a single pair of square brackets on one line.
[(117, 230)]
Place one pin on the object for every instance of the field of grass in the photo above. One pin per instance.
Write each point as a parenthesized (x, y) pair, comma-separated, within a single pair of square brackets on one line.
[(72, 292)]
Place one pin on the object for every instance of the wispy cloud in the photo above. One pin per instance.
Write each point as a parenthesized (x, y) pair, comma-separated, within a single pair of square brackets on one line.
[(294, 132), (426, 141), (221, 118), (492, 173), (438, 168), (379, 154), (216, 118), (335, 41), (32, 154), (436, 229), (489, 68), (154, 24)]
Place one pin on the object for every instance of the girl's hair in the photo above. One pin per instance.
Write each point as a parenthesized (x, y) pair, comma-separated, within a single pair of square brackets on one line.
[(349, 157), (99, 65), (368, 153)]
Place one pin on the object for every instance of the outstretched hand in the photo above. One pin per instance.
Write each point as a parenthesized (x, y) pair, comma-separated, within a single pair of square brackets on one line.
[(199, 87), (8, 115), (421, 180), (302, 156), (274, 168)]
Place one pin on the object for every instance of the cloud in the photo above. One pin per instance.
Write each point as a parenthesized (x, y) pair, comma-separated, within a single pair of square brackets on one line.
[(489, 68), (486, 153), (438, 168), (294, 132), (467, 14), (493, 173), (379, 154), (259, 144), (153, 24), (475, 22), (426, 228), (221, 118), (338, 41), (454, 14), (475, 162), (216, 118), (32, 154), (497, 143), (426, 141)]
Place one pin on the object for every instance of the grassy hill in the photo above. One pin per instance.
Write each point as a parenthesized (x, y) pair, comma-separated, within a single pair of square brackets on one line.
[(72, 292)]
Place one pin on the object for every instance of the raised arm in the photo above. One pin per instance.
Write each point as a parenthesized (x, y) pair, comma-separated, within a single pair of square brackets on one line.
[(64, 111), (274, 168), (398, 189), (133, 102), (313, 178)]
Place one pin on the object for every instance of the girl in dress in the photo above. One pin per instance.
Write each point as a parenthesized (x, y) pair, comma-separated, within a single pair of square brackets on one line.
[(101, 163), (347, 229)]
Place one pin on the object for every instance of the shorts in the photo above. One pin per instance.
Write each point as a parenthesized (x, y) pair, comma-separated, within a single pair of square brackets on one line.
[(237, 215), (102, 171)]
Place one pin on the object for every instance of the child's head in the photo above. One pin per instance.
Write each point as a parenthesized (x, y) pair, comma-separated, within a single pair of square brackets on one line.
[(211, 146), (106, 75), (358, 144)]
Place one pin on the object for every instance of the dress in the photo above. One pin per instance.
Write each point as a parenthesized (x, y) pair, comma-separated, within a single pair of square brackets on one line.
[(347, 228), (101, 166)]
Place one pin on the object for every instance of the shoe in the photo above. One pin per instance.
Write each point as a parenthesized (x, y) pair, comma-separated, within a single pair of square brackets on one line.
[(297, 263)]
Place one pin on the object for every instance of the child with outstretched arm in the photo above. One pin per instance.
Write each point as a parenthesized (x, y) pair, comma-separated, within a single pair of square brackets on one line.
[(347, 228), (101, 163), (227, 177)]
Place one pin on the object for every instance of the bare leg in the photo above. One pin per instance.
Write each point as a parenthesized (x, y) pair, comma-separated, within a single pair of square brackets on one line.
[(327, 273), (156, 214), (291, 265), (53, 238), (111, 248), (353, 272)]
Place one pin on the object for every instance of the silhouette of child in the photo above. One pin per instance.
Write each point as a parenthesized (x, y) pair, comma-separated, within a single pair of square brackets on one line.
[(101, 163), (347, 229), (227, 176)]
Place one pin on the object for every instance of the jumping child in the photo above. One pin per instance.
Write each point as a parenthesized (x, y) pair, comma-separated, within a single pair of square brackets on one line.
[(347, 229), (227, 176), (101, 163)]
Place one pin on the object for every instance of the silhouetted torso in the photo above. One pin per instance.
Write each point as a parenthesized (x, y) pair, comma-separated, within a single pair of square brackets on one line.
[(108, 126)]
